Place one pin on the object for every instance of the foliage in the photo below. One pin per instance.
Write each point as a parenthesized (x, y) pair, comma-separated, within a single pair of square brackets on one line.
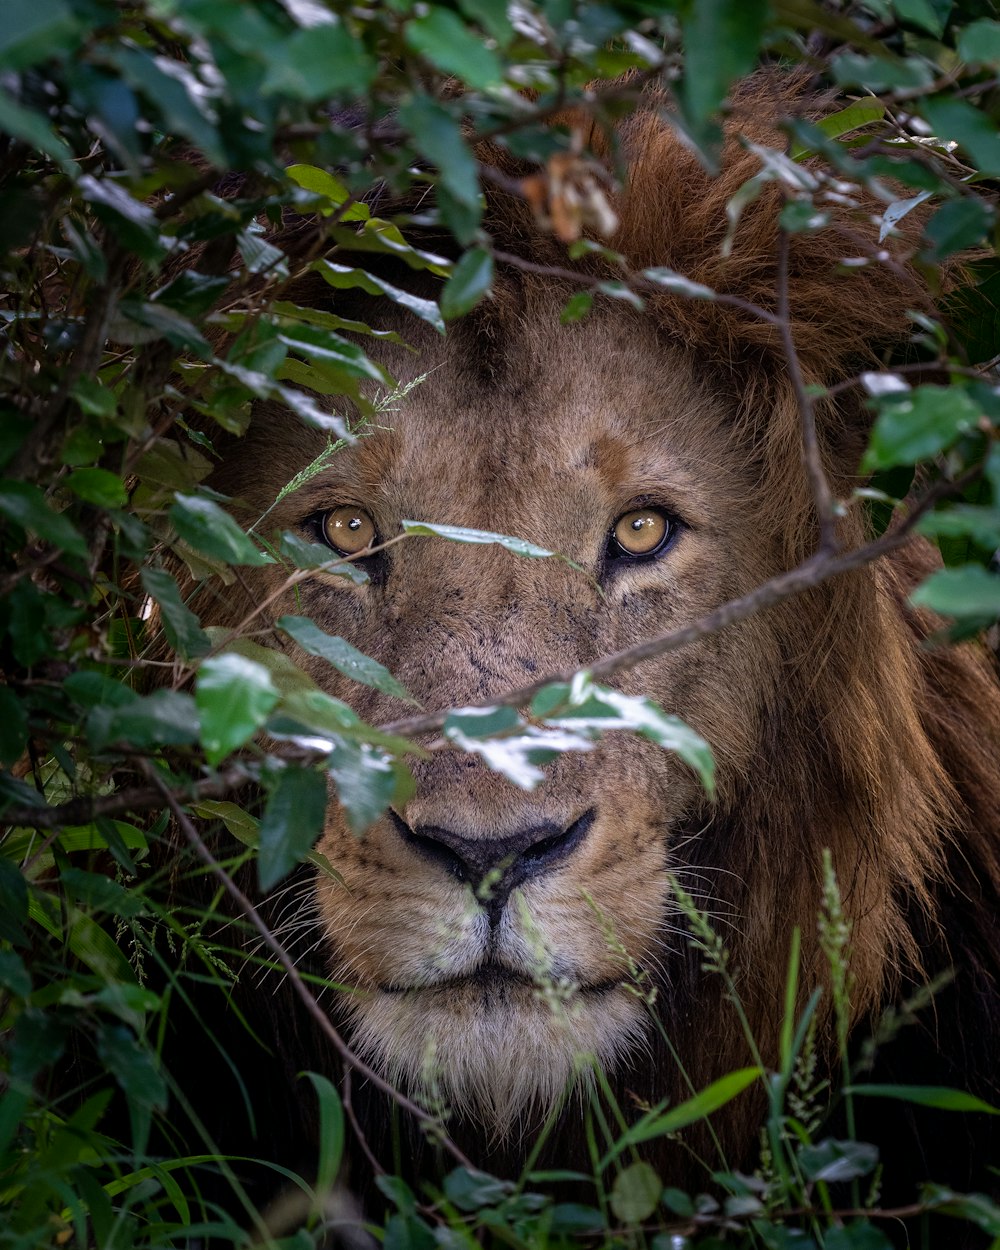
[(148, 309)]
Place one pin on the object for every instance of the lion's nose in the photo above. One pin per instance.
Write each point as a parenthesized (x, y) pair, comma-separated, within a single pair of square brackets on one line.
[(496, 866)]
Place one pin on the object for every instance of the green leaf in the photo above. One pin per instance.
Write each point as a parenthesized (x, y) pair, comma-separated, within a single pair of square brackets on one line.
[(438, 137), (979, 42), (13, 727), (918, 424), (181, 626), (443, 39), (940, 1096), (98, 892), (164, 718), (343, 277), (459, 534), (325, 348), (345, 658), (192, 294), (516, 756), (136, 1072), (206, 527), (957, 225), (677, 283), (26, 125), (14, 976), (923, 14), (482, 722), (319, 62), (26, 506), (307, 555), (174, 465), (956, 119), (857, 1235), (721, 38), (99, 487), (659, 1123), (881, 73), (367, 782), (323, 183), (244, 827), (13, 902), (964, 521), (583, 706), (292, 821), (260, 256), (471, 1190), (94, 399), (35, 32), (470, 281), (572, 1219), (977, 1208), (576, 308), (834, 1161), (330, 1135), (967, 592), (234, 697), (635, 1194)]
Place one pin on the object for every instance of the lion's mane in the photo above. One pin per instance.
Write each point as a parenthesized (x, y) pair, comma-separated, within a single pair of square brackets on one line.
[(873, 744)]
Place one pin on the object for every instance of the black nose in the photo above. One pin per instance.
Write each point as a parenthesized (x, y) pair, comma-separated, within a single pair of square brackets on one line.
[(495, 866)]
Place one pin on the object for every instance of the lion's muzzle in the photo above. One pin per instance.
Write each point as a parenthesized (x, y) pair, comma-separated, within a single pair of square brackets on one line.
[(495, 866)]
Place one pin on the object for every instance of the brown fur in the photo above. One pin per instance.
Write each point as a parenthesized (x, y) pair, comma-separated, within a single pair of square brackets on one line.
[(832, 725)]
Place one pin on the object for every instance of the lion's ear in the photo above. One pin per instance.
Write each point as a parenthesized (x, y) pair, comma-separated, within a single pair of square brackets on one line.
[(849, 295)]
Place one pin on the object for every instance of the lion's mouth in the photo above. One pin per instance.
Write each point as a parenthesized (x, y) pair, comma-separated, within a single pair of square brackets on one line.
[(493, 979)]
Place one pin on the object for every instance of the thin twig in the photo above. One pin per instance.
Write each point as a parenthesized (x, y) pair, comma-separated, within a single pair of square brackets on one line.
[(813, 572), (635, 282), (294, 976), (826, 508)]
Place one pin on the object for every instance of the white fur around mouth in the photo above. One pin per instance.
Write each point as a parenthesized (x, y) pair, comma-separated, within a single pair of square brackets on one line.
[(493, 977), (504, 1056)]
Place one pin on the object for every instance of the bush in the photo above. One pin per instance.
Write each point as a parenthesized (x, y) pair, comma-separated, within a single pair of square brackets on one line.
[(171, 172)]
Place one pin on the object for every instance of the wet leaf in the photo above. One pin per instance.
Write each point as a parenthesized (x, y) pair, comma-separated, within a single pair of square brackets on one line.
[(583, 706), (319, 62), (181, 626), (367, 782), (165, 718), (635, 1194), (969, 591), (98, 486), (470, 282), (658, 1123), (833, 1161), (957, 225), (445, 40), (940, 1096), (345, 658), (344, 277), (918, 424), (292, 822), (203, 524), (234, 697), (26, 506)]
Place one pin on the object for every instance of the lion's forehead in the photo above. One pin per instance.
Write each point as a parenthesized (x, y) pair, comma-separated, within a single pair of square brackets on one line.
[(592, 417)]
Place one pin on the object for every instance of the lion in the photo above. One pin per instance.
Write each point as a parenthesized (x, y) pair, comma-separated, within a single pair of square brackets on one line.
[(492, 942)]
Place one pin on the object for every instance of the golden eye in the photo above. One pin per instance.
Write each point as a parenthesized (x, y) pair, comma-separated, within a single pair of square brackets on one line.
[(348, 530), (639, 533)]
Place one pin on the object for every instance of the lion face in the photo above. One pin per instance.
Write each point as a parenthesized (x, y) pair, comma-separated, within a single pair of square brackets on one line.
[(491, 937)]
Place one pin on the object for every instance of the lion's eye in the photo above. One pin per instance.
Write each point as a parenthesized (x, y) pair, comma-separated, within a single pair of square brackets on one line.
[(348, 530), (643, 532)]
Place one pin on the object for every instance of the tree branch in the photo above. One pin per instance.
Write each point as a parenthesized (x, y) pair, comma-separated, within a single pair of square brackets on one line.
[(295, 979), (826, 508)]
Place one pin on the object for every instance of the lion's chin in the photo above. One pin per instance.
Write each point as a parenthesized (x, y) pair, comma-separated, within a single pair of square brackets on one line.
[(499, 1050)]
